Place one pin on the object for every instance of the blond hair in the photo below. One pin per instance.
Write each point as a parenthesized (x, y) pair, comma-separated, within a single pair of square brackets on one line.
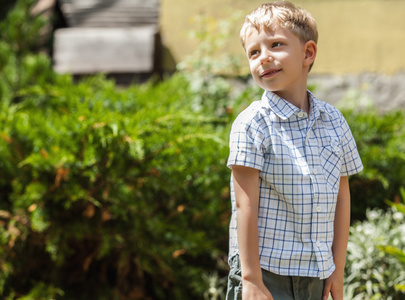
[(283, 14)]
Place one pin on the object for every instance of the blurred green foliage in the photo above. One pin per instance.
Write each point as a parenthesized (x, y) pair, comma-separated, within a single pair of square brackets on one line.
[(393, 249), (379, 139), (370, 272), (108, 186), (209, 69), (106, 193)]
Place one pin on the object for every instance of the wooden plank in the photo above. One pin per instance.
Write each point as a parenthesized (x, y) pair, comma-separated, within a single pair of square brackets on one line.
[(113, 19), (108, 3), (107, 50), (99, 13)]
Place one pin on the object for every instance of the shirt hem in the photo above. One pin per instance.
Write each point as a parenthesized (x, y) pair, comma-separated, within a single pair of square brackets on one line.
[(319, 275)]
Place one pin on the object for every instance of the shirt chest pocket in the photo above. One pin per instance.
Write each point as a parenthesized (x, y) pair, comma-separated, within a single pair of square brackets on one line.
[(331, 154)]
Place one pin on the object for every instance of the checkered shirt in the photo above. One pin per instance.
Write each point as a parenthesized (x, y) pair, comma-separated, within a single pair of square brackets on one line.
[(300, 162)]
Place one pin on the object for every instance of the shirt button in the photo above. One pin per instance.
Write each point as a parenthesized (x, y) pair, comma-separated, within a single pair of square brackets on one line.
[(301, 114), (315, 171), (318, 244), (336, 150), (318, 209)]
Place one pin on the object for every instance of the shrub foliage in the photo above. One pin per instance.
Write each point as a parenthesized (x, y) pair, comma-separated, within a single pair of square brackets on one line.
[(107, 189), (106, 193), (379, 139), (370, 272)]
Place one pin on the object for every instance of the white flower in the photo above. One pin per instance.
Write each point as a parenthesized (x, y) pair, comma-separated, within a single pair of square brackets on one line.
[(397, 216), (372, 215), (368, 230)]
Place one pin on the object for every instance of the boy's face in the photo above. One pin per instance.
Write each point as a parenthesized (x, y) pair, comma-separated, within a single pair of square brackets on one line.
[(278, 60)]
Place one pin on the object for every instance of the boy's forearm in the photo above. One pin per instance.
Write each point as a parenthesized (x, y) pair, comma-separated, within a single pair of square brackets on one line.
[(248, 244), (246, 183), (342, 225)]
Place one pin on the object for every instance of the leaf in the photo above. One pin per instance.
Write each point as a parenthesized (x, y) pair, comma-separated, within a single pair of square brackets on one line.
[(399, 206), (400, 287), (39, 220), (397, 253)]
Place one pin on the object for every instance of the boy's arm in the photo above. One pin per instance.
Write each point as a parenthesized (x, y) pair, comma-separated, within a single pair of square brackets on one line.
[(246, 184), (334, 284)]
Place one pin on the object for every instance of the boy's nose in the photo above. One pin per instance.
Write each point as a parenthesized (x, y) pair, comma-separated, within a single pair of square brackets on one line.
[(266, 59)]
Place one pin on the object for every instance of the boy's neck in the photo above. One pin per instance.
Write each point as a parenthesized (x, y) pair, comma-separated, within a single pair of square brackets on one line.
[(298, 97)]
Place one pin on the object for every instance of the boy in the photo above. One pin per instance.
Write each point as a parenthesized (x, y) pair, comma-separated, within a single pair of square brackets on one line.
[(290, 155)]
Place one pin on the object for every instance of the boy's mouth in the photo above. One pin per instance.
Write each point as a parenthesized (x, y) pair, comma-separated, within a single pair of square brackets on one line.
[(270, 72)]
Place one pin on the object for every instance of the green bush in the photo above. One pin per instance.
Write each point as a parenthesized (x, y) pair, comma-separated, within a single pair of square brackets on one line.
[(396, 250), (20, 62), (106, 193), (379, 139), (106, 189), (113, 193), (371, 273)]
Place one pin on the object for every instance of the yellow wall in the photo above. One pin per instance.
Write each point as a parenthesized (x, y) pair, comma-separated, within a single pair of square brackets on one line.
[(354, 36)]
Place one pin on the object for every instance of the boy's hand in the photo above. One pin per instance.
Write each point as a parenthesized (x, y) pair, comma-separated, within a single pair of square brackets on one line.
[(334, 286), (253, 291)]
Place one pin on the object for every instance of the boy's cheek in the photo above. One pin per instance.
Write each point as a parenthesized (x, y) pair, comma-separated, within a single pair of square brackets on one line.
[(253, 65)]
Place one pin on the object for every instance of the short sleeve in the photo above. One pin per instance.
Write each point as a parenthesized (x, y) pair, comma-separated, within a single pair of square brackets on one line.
[(351, 159), (246, 144)]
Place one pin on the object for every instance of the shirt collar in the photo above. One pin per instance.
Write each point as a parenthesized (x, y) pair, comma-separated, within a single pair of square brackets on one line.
[(284, 109)]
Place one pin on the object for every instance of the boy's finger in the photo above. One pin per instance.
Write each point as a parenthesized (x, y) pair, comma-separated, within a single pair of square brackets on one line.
[(326, 291), (336, 295)]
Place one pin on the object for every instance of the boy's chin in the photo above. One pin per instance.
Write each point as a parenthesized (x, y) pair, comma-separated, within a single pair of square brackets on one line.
[(266, 86)]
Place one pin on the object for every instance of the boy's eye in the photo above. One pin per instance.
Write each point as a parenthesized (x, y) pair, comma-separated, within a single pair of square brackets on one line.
[(276, 44), (254, 53)]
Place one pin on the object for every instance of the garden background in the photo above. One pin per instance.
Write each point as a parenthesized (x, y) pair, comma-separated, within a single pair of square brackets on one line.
[(111, 192)]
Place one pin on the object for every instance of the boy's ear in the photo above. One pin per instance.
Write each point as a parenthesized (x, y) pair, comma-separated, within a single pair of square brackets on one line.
[(310, 50)]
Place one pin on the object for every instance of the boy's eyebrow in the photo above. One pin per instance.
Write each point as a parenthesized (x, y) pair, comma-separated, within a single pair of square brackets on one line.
[(269, 38), (252, 45), (278, 36)]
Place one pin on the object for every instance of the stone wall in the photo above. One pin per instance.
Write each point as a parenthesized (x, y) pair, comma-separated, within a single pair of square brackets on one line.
[(383, 91)]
